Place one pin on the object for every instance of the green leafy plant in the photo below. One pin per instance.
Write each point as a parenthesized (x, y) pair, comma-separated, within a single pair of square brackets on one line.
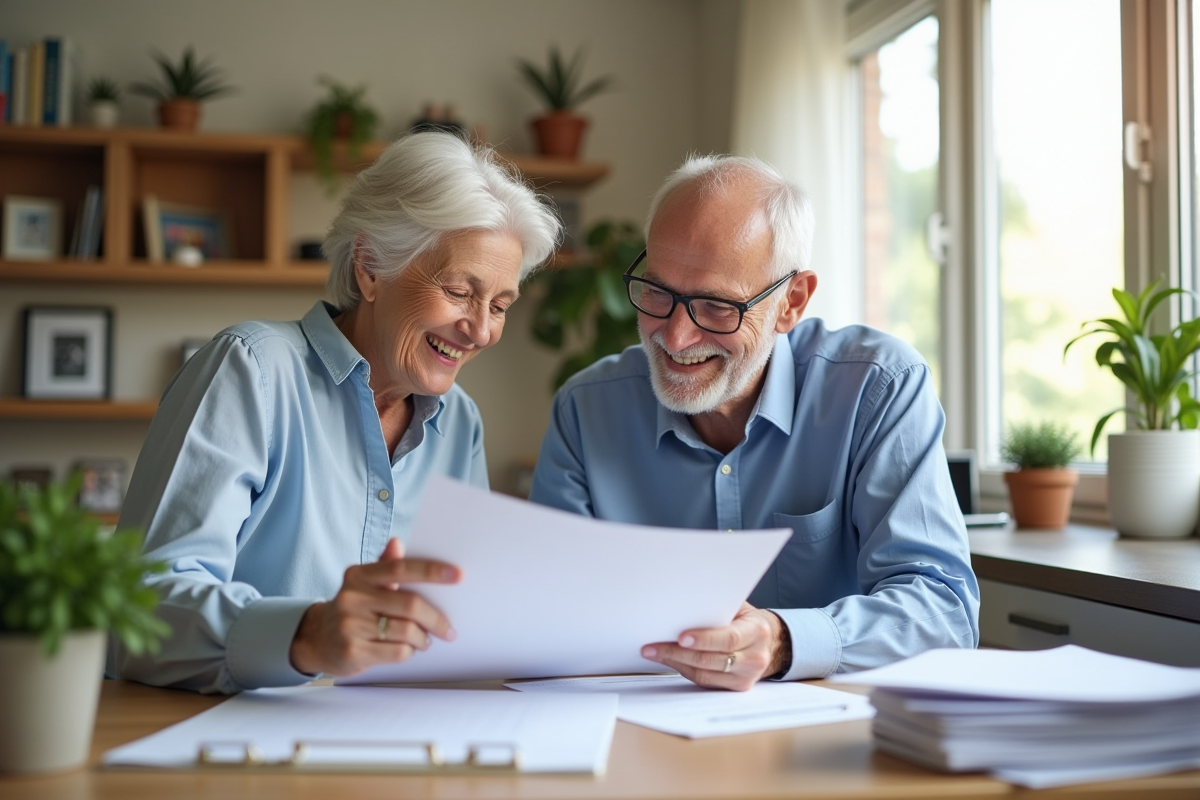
[(1153, 367), (59, 573), (585, 307), (343, 113), (559, 84), (1043, 445), (190, 79), (101, 89)]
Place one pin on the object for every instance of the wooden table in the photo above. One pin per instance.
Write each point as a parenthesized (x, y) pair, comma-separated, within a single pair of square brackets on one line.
[(826, 761)]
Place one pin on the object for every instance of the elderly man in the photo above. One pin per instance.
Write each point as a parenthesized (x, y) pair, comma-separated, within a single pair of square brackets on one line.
[(735, 414)]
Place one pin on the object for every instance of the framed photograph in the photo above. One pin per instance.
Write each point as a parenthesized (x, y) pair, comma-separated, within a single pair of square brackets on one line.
[(103, 486), (32, 477), (32, 228), (170, 226), (68, 353)]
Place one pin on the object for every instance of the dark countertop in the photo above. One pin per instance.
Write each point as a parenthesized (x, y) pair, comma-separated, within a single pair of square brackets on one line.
[(1160, 576)]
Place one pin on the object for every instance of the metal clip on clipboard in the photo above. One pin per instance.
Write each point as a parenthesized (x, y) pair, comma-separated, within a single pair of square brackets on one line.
[(362, 756)]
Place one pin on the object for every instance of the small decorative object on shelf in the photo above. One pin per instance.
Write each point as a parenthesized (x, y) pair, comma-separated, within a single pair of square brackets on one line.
[(181, 89), (1154, 467), (559, 132), (68, 353), (32, 228), (590, 300), (63, 586), (103, 94), (343, 115), (1042, 486), (186, 235), (436, 117), (102, 487)]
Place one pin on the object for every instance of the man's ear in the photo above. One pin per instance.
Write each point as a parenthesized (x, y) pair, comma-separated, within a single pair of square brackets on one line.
[(799, 291), (366, 279)]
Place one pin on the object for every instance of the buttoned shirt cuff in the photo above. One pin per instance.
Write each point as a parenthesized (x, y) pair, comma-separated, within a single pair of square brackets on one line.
[(258, 648), (816, 643)]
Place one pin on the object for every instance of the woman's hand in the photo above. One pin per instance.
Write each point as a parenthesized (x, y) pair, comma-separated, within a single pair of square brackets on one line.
[(372, 620)]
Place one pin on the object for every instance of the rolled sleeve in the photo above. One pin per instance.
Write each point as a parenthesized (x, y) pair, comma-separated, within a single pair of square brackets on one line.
[(258, 649), (816, 643)]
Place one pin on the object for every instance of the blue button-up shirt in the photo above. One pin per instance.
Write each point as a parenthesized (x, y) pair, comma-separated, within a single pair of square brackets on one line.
[(263, 477), (844, 447)]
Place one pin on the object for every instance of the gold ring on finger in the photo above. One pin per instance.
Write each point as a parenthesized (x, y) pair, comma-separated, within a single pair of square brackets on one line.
[(729, 659), (382, 625)]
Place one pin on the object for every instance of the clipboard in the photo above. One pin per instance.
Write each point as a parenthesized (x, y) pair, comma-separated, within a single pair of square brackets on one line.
[(377, 729)]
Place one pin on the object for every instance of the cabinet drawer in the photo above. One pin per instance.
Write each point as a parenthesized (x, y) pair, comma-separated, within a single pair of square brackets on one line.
[(1019, 618)]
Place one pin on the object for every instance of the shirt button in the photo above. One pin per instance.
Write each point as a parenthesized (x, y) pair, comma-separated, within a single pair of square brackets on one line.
[(384, 494), (726, 469)]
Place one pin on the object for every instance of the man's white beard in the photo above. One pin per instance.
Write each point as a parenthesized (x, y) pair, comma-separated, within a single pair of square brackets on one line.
[(700, 394)]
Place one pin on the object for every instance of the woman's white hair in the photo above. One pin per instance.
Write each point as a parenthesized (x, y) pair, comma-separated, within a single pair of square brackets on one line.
[(422, 187), (787, 208)]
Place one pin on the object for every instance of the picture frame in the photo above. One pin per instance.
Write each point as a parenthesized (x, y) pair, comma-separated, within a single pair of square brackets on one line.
[(68, 353), (32, 228), (37, 478), (103, 486), (172, 225)]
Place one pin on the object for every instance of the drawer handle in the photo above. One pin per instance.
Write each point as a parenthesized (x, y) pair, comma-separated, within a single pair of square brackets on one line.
[(1045, 626)]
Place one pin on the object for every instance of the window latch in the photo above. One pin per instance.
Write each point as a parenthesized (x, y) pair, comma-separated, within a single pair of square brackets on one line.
[(937, 237), (1137, 150)]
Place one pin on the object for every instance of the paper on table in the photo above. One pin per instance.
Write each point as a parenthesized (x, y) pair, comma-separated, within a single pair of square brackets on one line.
[(1068, 673), (545, 593), (673, 704), (551, 735)]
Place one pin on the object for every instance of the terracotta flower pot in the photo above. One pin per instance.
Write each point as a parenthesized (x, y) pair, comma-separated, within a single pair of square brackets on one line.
[(559, 134), (1041, 498), (180, 114)]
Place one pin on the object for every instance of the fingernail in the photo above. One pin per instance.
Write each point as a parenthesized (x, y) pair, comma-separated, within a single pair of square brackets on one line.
[(688, 641), (451, 634), (448, 573), (649, 652)]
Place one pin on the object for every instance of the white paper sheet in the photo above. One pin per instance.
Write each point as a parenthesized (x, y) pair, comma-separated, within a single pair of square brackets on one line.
[(552, 734), (545, 593), (1068, 673), (673, 704)]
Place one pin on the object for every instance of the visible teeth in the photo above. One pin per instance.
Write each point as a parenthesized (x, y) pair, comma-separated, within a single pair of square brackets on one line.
[(444, 348), (688, 360)]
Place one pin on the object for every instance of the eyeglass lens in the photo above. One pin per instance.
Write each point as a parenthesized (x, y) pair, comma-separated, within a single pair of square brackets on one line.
[(712, 315)]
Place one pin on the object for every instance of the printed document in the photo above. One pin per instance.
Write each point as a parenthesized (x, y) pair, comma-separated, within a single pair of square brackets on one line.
[(546, 594), (673, 704)]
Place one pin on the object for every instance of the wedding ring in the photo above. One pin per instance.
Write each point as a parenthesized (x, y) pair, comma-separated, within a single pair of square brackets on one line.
[(728, 662), (382, 625)]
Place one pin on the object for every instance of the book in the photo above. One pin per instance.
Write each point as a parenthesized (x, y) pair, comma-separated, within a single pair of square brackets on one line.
[(152, 222), (93, 223), (58, 77), (5, 81), (37, 79), (20, 86)]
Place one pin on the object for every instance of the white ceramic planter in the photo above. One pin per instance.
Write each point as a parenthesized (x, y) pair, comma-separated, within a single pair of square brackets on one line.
[(48, 705), (104, 113), (1154, 483)]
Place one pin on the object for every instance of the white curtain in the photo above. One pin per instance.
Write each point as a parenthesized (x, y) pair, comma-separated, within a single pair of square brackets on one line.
[(791, 109)]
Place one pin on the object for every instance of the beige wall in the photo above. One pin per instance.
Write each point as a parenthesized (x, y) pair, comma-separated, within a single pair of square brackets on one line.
[(673, 60)]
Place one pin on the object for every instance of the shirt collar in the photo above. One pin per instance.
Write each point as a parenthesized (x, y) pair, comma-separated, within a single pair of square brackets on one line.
[(776, 402), (341, 359)]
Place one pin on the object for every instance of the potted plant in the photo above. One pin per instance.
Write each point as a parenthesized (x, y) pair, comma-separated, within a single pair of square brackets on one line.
[(1154, 468), (181, 89), (343, 115), (559, 132), (1042, 485), (102, 95), (63, 584), (586, 305)]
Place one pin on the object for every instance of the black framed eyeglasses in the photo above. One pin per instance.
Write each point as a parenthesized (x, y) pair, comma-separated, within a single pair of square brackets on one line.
[(712, 314)]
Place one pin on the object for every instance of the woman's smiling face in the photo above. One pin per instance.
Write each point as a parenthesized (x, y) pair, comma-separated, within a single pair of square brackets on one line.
[(449, 304)]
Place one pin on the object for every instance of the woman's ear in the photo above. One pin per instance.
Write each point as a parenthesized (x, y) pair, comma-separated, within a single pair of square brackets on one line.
[(799, 291), (364, 277)]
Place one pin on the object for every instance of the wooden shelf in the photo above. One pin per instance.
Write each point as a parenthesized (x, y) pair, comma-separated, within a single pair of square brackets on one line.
[(19, 408), (142, 273)]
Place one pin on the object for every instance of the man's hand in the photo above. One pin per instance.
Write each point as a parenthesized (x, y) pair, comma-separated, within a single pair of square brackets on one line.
[(372, 620), (757, 641)]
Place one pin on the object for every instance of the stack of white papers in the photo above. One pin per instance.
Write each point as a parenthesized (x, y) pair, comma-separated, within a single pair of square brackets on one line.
[(1039, 719), (673, 704)]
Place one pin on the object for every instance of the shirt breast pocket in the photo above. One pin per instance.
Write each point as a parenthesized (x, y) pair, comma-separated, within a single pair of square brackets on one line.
[(811, 570)]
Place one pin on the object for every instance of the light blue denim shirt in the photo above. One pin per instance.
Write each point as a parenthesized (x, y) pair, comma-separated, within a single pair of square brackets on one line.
[(263, 477), (844, 447)]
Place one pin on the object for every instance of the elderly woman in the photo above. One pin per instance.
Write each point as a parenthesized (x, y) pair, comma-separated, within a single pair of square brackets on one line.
[(284, 466)]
